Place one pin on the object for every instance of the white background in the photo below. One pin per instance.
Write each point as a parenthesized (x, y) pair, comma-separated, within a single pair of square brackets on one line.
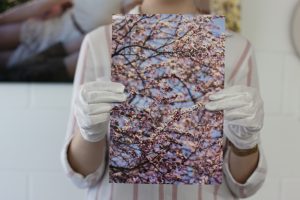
[(33, 118)]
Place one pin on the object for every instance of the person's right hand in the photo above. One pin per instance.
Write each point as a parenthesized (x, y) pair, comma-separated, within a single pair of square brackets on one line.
[(93, 106)]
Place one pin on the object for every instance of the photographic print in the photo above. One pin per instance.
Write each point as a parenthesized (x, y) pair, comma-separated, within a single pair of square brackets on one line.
[(231, 9), (169, 64)]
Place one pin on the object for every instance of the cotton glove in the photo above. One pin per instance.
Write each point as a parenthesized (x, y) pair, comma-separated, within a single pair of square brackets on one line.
[(93, 106), (243, 114)]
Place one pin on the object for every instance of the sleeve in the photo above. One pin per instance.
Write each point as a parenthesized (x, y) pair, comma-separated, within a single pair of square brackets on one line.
[(254, 182), (85, 72), (246, 75)]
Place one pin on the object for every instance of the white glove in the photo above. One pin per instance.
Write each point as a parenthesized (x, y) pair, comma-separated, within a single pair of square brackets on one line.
[(243, 114), (93, 106)]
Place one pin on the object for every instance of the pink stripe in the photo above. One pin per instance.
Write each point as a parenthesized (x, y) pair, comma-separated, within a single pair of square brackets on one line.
[(161, 192), (217, 187), (200, 192), (240, 62), (111, 191), (108, 38), (242, 192), (174, 192), (74, 121), (135, 191), (250, 66), (84, 66), (109, 41)]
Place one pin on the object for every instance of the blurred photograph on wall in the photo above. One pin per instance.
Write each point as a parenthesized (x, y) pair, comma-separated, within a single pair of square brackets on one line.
[(39, 42), (169, 65)]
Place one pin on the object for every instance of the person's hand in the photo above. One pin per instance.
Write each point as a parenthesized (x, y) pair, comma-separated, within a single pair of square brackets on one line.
[(93, 106), (243, 114)]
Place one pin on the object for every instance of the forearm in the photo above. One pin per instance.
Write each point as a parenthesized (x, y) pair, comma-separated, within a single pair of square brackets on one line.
[(85, 157), (27, 10), (242, 167)]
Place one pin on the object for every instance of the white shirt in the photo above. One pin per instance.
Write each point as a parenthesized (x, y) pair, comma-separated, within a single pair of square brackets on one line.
[(94, 62)]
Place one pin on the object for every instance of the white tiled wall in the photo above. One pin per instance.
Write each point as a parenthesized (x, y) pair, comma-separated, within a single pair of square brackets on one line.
[(266, 25), (33, 118), (33, 122)]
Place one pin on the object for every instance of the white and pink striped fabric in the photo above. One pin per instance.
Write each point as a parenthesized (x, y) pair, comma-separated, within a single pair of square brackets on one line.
[(94, 62)]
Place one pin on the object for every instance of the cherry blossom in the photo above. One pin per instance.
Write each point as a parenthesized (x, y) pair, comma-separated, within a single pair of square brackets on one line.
[(169, 65)]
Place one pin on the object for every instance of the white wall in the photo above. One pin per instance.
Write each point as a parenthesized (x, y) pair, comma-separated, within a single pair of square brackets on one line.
[(266, 25), (33, 121), (33, 118)]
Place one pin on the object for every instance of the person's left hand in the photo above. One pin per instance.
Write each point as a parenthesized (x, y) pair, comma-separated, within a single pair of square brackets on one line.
[(243, 114)]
